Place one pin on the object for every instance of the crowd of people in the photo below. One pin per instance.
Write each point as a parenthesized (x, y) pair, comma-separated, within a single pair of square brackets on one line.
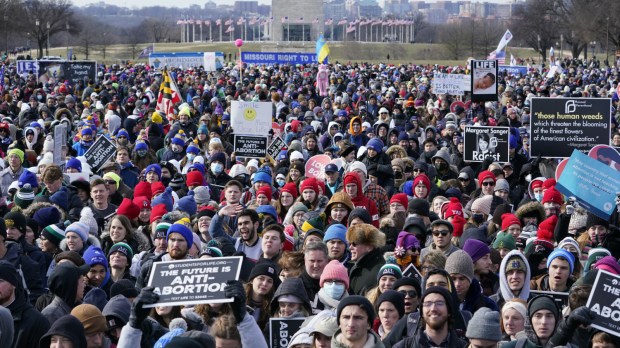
[(399, 242)]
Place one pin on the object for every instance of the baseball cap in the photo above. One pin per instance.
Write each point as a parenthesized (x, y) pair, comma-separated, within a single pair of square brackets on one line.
[(330, 168)]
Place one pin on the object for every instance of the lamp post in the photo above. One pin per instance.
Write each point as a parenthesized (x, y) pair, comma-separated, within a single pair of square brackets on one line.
[(607, 43), (47, 51), (68, 27), (6, 33), (540, 49), (37, 24), (593, 45)]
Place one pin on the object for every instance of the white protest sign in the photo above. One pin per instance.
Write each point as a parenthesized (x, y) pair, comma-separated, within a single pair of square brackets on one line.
[(453, 84), (251, 118)]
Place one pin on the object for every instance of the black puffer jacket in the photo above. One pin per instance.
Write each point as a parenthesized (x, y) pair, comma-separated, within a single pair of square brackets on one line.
[(29, 323), (363, 274)]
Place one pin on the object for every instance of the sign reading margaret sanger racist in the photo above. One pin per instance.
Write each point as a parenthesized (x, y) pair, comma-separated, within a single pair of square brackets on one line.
[(604, 301), (560, 125), (188, 282), (481, 142)]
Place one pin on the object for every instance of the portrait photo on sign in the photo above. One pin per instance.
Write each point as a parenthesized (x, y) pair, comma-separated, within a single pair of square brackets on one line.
[(481, 142), (484, 84)]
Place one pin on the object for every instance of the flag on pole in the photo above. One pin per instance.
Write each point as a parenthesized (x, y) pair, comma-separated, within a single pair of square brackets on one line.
[(499, 56), (218, 22), (329, 21), (230, 29), (146, 51), (228, 22), (342, 21), (322, 50), (284, 19), (168, 95), (301, 19), (513, 61), (504, 41), (351, 29), (316, 20)]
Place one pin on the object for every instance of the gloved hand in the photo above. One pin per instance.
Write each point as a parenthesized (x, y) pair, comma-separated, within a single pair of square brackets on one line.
[(234, 289), (138, 312), (486, 163), (570, 209), (580, 316)]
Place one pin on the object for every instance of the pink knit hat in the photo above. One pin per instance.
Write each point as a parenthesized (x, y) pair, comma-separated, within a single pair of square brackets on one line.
[(335, 271)]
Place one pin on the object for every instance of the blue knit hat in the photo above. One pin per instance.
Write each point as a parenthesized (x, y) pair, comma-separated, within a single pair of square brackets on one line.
[(267, 209), (95, 256), (199, 167), (80, 228), (193, 148), (218, 157), (178, 141), (75, 164), (165, 199), (375, 144), (61, 198), (141, 145), (336, 231), (188, 204), (182, 230), (563, 253), (27, 177), (47, 216), (154, 167), (86, 131), (403, 136), (203, 129), (261, 176), (122, 133)]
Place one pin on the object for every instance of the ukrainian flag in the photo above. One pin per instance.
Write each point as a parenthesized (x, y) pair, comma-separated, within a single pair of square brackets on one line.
[(322, 50)]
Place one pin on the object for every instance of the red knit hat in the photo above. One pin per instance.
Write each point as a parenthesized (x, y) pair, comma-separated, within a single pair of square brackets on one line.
[(290, 188), (424, 179), (508, 220), (549, 183), (158, 212), (458, 222), (128, 208), (264, 190), (351, 178), (485, 174), (142, 202), (536, 184), (400, 198), (143, 189), (310, 183), (546, 228), (194, 178), (156, 188), (552, 196), (453, 208), (335, 271), (321, 184)]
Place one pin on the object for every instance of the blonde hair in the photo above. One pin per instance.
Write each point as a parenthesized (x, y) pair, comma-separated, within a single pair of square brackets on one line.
[(225, 327)]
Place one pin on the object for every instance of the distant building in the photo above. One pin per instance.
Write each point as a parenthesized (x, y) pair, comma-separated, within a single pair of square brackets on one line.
[(397, 8), (243, 7), (301, 24)]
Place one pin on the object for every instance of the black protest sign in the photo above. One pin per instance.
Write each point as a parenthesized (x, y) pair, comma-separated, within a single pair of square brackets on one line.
[(275, 147), (412, 272), (484, 80), (187, 282), (481, 142), (560, 298), (604, 301), (99, 153), (282, 330), (67, 70), (560, 125), (250, 146)]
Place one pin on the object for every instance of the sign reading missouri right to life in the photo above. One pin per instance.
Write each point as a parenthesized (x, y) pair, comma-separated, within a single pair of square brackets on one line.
[(251, 118)]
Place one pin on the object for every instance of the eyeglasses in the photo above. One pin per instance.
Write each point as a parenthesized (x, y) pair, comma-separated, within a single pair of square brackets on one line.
[(410, 293), (442, 232), (488, 183), (429, 304)]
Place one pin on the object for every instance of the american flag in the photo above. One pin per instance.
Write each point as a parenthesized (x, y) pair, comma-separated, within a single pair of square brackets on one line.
[(499, 56), (218, 22), (351, 29), (191, 21), (301, 19), (342, 21), (241, 21), (284, 19), (316, 20), (230, 29), (208, 23), (228, 22), (329, 21)]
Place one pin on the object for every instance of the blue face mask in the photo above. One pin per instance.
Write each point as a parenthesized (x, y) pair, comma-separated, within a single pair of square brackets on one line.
[(334, 290), (538, 196), (281, 183), (217, 168), (190, 157)]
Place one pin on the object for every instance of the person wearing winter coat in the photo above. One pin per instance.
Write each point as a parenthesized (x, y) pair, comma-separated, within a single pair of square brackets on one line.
[(375, 159), (334, 286), (353, 186), (291, 300), (67, 284), (514, 278), (365, 243), (539, 331), (461, 269), (353, 332), (356, 136)]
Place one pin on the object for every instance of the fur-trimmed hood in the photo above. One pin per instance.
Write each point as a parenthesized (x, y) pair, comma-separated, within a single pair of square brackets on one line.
[(366, 234), (34, 207), (530, 207), (402, 153), (530, 191), (134, 239)]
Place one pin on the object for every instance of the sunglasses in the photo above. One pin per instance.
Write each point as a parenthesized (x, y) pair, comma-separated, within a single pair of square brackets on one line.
[(410, 293), (462, 179), (110, 182), (442, 232), (418, 171), (488, 183)]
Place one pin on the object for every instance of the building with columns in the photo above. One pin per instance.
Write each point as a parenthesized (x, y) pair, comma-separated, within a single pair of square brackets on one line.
[(304, 20)]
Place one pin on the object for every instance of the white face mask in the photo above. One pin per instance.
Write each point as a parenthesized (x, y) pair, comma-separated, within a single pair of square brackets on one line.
[(334, 290)]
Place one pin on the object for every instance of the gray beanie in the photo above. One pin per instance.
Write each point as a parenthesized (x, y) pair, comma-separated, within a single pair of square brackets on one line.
[(484, 325), (201, 195), (459, 262), (502, 184)]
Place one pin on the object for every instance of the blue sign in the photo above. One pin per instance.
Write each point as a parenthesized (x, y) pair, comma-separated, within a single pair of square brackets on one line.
[(26, 66), (513, 69), (593, 183), (270, 58)]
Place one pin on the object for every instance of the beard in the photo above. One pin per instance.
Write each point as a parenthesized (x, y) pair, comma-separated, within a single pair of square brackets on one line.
[(436, 324)]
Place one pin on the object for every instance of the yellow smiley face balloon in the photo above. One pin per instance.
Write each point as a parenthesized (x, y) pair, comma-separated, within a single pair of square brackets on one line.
[(249, 114)]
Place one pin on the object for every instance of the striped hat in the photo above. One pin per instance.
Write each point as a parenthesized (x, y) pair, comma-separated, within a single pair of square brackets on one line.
[(54, 234)]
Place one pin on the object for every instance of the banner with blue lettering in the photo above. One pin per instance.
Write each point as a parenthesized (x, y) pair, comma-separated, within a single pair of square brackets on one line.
[(592, 182), (270, 58), (513, 70), (211, 61)]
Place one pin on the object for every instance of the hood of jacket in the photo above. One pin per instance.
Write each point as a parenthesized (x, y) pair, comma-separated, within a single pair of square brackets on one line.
[(295, 287), (354, 178), (353, 120), (530, 191), (63, 283), (507, 294)]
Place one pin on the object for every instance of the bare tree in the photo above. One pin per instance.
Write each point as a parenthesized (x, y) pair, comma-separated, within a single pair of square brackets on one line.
[(419, 24), (43, 19), (488, 35), (454, 37), (158, 28), (538, 24), (134, 37)]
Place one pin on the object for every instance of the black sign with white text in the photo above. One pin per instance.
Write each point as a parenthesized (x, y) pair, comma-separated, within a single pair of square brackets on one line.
[(481, 142), (282, 330), (99, 153), (604, 301), (187, 282), (250, 146), (275, 147)]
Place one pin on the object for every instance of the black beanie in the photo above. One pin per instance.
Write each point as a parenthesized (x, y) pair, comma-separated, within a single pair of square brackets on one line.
[(408, 281), (268, 269), (15, 219), (543, 302), (357, 300), (394, 297), (362, 214), (419, 206), (593, 220)]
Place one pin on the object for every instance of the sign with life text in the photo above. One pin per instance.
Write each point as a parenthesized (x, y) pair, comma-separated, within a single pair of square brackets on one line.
[(604, 301), (592, 182), (277, 145), (315, 167), (560, 298), (251, 118), (484, 80), (453, 84), (99, 153), (560, 125), (188, 282), (250, 146), (481, 142), (412, 272), (281, 331)]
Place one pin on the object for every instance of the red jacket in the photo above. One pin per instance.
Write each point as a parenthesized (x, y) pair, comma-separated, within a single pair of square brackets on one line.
[(361, 201)]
